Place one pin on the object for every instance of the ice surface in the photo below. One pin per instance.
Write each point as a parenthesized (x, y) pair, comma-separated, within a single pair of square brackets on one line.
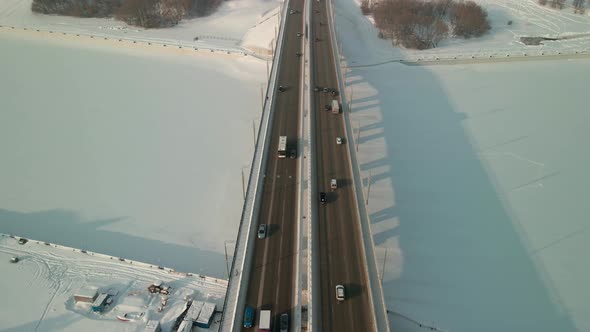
[(128, 151), (479, 178)]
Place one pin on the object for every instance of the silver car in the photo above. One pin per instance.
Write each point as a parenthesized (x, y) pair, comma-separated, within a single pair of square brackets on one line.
[(262, 231)]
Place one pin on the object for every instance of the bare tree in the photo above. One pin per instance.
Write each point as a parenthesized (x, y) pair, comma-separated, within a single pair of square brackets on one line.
[(579, 6), (469, 20), (559, 4), (365, 7)]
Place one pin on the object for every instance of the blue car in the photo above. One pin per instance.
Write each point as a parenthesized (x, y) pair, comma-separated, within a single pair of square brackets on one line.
[(248, 317)]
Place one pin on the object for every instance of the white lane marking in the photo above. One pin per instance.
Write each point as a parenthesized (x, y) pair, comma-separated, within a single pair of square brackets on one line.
[(283, 207), (264, 257)]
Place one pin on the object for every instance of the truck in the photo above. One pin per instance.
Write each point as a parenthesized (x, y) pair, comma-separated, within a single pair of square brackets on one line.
[(335, 106), (264, 322)]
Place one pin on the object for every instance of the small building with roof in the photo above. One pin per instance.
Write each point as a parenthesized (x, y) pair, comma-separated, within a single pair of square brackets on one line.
[(206, 315), (99, 304), (153, 326), (193, 311), (86, 294)]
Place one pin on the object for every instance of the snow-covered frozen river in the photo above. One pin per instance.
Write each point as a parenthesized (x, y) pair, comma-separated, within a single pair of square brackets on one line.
[(125, 151)]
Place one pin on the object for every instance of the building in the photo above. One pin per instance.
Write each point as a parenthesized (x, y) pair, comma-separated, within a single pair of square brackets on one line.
[(153, 326), (206, 315), (99, 303), (185, 326), (193, 312), (86, 294)]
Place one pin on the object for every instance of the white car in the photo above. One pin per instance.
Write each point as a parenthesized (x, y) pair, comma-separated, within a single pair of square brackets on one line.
[(338, 140), (340, 293), (262, 231)]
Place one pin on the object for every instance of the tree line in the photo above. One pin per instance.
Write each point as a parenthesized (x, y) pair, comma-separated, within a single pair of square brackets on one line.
[(144, 13), (420, 24), (579, 5)]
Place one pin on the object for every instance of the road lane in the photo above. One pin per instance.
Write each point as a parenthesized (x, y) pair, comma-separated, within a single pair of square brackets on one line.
[(272, 281), (341, 254)]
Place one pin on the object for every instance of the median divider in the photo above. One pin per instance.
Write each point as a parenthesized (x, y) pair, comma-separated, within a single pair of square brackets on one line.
[(302, 199), (313, 276), (308, 316)]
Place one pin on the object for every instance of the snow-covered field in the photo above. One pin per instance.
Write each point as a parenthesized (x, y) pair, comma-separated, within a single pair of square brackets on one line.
[(38, 290), (528, 20), (477, 202), (227, 28), (479, 179), (126, 150)]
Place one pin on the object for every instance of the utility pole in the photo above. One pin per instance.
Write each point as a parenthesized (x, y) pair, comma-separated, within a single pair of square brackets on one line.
[(226, 260), (358, 136), (261, 96), (368, 189), (226, 256), (243, 186), (383, 270), (350, 102), (254, 133)]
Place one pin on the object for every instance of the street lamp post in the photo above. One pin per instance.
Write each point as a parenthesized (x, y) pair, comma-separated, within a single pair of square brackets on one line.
[(225, 242)]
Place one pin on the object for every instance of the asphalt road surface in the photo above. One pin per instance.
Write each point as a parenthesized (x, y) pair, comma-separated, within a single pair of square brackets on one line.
[(341, 257), (272, 281)]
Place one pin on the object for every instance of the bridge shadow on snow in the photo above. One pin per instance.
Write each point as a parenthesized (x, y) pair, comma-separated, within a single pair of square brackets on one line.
[(58, 323), (458, 261), (66, 228)]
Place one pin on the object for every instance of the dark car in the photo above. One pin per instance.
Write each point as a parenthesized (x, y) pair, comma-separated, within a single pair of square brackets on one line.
[(326, 90), (293, 154), (298, 54), (284, 323), (249, 317), (327, 107), (322, 197), (334, 93), (281, 88), (316, 89)]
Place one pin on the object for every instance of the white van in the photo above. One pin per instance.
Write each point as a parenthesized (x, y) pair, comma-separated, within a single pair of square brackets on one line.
[(333, 184), (340, 293)]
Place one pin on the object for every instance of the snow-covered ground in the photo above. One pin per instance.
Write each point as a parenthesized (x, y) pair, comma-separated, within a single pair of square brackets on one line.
[(528, 20), (226, 28), (38, 290), (123, 149), (479, 179)]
